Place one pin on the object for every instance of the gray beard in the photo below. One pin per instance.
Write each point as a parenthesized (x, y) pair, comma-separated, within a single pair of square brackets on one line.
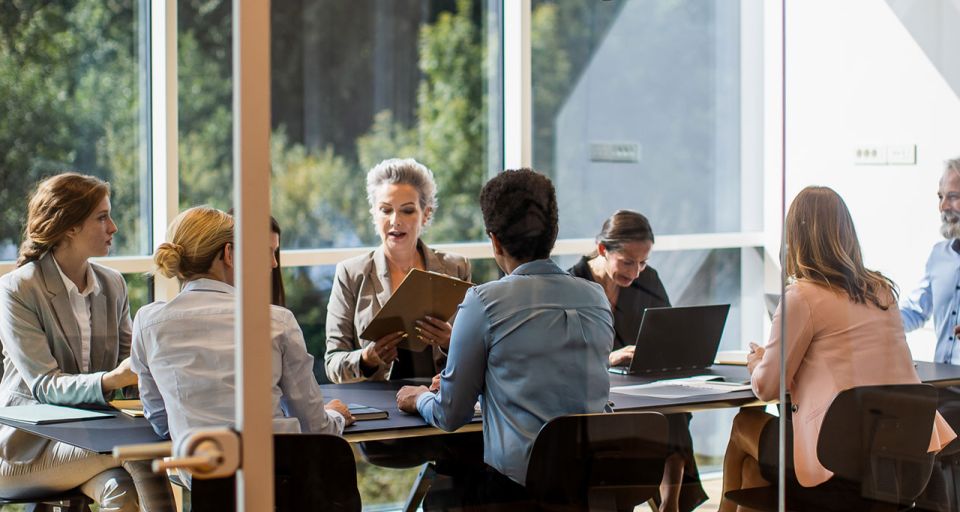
[(950, 227)]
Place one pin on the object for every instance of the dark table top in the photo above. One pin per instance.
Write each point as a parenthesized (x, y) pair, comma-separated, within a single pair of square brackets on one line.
[(103, 434)]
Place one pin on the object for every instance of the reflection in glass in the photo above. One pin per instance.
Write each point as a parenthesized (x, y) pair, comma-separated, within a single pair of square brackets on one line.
[(636, 104)]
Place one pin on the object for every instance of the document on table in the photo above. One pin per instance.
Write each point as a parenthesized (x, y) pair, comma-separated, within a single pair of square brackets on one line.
[(42, 414), (682, 388)]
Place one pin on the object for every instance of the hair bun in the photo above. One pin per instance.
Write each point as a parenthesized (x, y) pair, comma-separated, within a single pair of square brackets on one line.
[(167, 258)]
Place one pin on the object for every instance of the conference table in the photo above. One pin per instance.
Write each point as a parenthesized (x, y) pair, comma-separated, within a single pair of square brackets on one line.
[(101, 435)]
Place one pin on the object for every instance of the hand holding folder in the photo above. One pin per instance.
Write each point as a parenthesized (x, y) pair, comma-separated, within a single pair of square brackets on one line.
[(421, 294)]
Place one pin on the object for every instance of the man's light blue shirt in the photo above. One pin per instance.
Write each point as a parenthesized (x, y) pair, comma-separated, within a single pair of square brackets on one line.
[(938, 294), (533, 346)]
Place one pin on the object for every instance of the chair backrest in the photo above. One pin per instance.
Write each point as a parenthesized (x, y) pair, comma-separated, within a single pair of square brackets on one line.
[(878, 436), (314, 472), (311, 472), (618, 456)]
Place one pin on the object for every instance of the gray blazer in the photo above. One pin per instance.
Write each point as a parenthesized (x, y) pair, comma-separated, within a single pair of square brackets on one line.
[(360, 288), (41, 345)]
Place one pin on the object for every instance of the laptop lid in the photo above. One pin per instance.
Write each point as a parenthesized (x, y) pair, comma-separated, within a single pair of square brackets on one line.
[(679, 338)]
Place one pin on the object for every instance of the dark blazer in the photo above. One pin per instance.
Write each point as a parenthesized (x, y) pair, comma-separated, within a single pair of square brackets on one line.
[(41, 345), (646, 291)]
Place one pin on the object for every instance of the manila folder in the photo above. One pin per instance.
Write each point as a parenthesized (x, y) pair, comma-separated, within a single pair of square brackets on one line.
[(420, 294)]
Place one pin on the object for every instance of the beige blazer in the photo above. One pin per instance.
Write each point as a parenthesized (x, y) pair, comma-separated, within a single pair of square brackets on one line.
[(832, 344), (361, 287), (41, 345)]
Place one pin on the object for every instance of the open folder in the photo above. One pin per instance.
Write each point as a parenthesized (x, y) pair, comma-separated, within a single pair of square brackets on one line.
[(420, 294)]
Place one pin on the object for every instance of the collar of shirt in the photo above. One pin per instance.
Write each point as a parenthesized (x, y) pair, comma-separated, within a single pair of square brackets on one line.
[(955, 245), (545, 266), (208, 285), (93, 285)]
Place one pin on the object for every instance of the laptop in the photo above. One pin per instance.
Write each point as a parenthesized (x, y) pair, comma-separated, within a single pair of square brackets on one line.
[(676, 340)]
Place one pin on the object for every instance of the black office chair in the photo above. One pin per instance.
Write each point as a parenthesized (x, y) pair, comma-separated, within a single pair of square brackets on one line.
[(69, 501), (311, 472), (874, 439), (598, 461)]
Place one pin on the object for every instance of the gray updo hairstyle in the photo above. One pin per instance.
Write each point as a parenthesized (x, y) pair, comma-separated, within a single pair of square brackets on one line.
[(403, 171)]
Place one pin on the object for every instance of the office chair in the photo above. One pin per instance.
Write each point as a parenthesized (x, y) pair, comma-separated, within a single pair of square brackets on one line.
[(311, 472), (598, 461), (69, 501), (874, 439)]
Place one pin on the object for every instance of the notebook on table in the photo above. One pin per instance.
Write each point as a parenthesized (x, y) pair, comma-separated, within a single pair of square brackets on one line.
[(362, 412), (45, 414), (677, 339)]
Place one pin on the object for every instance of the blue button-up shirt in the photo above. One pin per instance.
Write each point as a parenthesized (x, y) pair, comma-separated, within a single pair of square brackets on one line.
[(938, 294), (533, 346)]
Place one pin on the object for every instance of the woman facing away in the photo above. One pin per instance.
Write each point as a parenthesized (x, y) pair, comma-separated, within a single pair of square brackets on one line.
[(403, 197), (619, 265), (65, 329), (842, 330), (184, 352)]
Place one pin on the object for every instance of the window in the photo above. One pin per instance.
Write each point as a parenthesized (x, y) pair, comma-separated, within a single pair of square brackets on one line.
[(73, 96)]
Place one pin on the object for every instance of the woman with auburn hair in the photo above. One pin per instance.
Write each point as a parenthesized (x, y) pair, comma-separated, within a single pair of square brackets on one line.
[(619, 265), (184, 353), (65, 329), (842, 326)]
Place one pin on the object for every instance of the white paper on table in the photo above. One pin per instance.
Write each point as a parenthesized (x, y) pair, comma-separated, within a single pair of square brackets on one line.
[(682, 388)]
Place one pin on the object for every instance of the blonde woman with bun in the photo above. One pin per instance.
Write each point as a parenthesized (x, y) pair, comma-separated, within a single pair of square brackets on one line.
[(65, 329), (183, 350)]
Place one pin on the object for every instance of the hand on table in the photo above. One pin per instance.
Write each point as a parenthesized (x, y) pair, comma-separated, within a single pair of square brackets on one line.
[(754, 357), (435, 383), (119, 377), (407, 398), (337, 405), (622, 356), (382, 351), (434, 331)]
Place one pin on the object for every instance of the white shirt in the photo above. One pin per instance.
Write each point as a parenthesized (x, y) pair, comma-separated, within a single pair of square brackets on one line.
[(183, 352), (80, 304)]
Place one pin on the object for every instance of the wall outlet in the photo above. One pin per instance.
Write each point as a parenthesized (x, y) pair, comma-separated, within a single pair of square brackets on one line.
[(620, 152), (902, 155), (870, 155), (885, 154)]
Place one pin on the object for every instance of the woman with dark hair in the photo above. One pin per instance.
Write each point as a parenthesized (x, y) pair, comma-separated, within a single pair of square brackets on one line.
[(619, 265), (842, 330), (65, 329), (537, 312), (278, 296)]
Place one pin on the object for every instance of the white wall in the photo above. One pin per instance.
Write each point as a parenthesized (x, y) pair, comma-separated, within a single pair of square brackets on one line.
[(854, 76)]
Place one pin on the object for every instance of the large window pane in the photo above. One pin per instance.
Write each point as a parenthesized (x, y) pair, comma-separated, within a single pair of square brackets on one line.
[(636, 104), (73, 98), (353, 83)]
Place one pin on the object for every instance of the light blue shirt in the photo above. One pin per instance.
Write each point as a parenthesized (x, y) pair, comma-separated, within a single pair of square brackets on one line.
[(938, 294), (533, 346), (183, 352)]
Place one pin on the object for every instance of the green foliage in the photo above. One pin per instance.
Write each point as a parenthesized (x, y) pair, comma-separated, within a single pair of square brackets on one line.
[(69, 94)]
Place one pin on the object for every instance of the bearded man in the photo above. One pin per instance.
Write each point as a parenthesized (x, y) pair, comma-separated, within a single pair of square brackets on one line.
[(939, 291)]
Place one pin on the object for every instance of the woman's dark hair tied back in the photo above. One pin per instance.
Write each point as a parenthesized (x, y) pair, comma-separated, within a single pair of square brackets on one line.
[(623, 227)]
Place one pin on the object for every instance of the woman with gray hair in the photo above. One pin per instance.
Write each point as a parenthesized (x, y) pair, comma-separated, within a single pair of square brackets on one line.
[(402, 196)]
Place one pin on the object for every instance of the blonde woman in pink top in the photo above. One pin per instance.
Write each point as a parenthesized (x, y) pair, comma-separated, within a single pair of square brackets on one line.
[(842, 330)]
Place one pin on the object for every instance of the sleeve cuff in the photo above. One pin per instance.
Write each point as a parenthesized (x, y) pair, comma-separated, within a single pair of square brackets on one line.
[(338, 419), (421, 404)]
